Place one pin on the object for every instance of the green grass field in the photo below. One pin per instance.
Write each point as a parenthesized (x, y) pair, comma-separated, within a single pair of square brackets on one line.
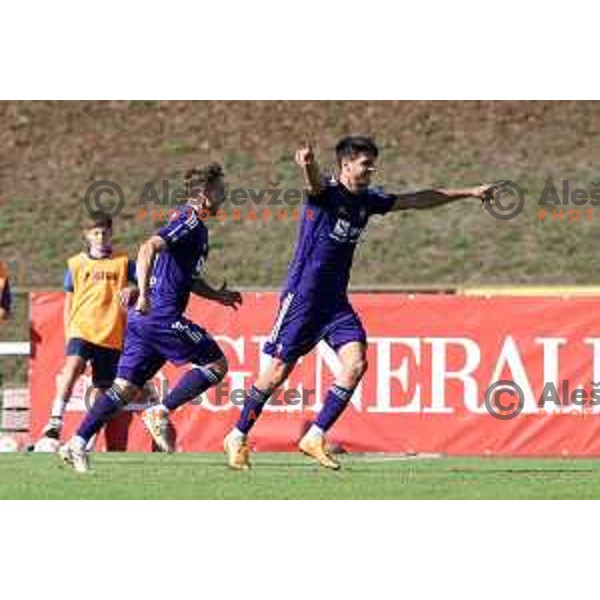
[(289, 476)]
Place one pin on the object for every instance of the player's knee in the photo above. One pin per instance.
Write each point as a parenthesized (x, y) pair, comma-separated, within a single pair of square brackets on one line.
[(279, 371), (274, 376), (218, 369), (123, 389), (72, 369), (357, 368)]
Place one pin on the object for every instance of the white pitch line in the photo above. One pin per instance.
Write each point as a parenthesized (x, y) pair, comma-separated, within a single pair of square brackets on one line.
[(374, 457)]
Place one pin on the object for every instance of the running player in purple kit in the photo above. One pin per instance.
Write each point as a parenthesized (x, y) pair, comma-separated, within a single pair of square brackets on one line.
[(169, 268), (314, 302)]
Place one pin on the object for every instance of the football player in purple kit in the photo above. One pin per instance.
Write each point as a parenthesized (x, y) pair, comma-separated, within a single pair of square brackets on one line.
[(314, 303), (169, 269)]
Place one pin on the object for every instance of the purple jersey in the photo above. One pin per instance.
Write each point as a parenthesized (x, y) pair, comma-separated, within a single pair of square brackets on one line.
[(327, 241), (176, 267)]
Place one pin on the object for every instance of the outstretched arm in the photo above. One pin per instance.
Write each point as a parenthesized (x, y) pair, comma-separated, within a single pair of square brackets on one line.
[(305, 158), (223, 295), (438, 197)]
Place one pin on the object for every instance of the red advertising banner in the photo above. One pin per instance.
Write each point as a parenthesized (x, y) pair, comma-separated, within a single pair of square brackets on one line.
[(432, 358)]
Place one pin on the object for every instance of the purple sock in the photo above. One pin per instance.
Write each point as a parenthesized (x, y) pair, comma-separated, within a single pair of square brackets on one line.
[(253, 406), (192, 384), (336, 401), (107, 405)]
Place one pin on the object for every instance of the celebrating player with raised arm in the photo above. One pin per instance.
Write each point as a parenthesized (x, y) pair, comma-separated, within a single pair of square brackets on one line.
[(314, 302), (169, 268)]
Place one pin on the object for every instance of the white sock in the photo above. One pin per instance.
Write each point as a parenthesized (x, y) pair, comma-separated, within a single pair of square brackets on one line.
[(91, 445), (315, 432), (58, 408), (78, 442), (236, 434), (55, 423)]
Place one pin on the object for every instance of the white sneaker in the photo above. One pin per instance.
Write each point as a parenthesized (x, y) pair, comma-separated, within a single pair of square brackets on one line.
[(157, 424), (73, 453)]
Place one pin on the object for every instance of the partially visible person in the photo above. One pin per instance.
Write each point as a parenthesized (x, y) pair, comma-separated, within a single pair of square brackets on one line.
[(170, 268), (97, 289), (5, 297)]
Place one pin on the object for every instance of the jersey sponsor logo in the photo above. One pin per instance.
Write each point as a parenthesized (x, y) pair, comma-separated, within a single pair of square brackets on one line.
[(341, 230), (344, 232), (98, 276)]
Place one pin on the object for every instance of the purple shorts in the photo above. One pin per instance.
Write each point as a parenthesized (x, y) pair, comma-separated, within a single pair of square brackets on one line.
[(150, 343), (302, 323)]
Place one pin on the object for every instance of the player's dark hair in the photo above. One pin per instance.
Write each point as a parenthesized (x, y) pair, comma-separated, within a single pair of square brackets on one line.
[(98, 219), (201, 177), (353, 145)]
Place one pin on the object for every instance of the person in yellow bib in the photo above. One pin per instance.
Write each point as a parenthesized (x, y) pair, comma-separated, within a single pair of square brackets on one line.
[(97, 289), (5, 298)]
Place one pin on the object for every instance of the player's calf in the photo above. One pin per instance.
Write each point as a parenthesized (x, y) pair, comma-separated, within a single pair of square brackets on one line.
[(352, 372), (194, 383)]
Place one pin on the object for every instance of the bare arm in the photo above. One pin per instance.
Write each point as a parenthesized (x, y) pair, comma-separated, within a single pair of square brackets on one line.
[(145, 263), (67, 310), (223, 295), (305, 158), (128, 295), (438, 197)]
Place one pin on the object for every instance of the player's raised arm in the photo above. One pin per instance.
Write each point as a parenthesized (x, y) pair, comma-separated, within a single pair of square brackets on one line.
[(305, 158), (438, 197), (145, 262), (223, 295)]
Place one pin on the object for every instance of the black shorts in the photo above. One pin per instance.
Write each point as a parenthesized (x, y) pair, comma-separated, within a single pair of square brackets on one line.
[(104, 361)]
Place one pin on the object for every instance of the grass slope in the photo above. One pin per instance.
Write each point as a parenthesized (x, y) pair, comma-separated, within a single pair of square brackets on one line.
[(50, 152)]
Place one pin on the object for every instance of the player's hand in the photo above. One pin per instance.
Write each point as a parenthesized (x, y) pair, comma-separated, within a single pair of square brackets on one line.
[(305, 155), (486, 192), (142, 305), (229, 297), (128, 296)]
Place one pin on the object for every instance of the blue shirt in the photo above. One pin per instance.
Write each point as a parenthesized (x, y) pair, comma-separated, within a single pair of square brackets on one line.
[(176, 267), (327, 239)]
